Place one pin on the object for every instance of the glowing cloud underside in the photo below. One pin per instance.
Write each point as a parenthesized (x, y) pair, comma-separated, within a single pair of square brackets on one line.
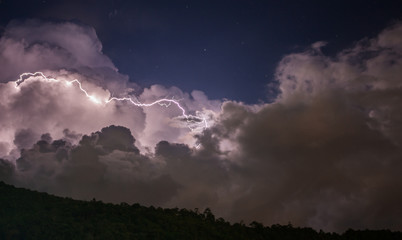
[(194, 122)]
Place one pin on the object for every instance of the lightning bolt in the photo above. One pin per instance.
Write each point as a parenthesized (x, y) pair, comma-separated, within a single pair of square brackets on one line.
[(194, 122)]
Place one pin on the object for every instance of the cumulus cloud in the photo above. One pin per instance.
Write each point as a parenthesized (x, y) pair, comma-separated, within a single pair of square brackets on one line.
[(34, 45), (325, 154), (67, 51), (105, 165)]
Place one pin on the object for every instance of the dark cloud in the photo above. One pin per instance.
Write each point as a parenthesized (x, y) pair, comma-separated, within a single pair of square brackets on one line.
[(116, 138), (105, 165), (318, 164), (326, 153), (7, 170), (24, 138)]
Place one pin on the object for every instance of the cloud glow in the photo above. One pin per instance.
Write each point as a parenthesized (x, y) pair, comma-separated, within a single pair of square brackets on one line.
[(326, 153), (194, 122)]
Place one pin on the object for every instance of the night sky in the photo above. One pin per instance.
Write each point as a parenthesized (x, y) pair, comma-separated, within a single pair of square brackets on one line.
[(268, 111), (228, 49)]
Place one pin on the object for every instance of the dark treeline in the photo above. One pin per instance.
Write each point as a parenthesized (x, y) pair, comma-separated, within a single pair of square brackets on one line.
[(26, 214)]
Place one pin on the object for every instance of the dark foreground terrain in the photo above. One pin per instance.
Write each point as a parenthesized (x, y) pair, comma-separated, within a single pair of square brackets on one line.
[(26, 214)]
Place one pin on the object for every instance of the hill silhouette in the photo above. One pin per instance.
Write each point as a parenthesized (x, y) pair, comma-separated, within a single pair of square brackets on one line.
[(26, 214)]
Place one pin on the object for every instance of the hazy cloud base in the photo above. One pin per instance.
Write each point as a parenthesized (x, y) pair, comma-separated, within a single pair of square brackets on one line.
[(326, 153)]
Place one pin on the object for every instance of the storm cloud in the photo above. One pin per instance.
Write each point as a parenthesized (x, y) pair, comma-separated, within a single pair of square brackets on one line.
[(67, 51), (325, 154)]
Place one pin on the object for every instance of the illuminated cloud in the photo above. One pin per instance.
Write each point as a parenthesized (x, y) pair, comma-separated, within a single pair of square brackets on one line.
[(71, 53), (326, 153), (34, 45)]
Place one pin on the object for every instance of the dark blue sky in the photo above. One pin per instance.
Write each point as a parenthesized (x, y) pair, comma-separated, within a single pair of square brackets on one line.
[(228, 49)]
